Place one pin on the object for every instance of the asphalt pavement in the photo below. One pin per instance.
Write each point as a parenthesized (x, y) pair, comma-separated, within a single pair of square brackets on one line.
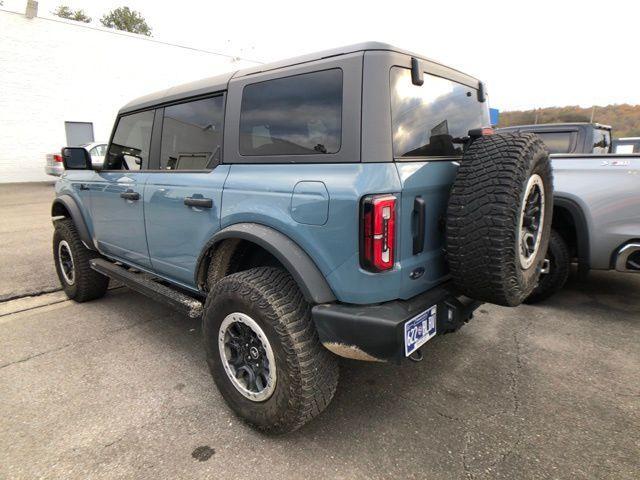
[(119, 388)]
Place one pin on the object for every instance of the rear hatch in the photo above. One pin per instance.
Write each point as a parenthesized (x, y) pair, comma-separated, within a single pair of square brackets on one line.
[(430, 123)]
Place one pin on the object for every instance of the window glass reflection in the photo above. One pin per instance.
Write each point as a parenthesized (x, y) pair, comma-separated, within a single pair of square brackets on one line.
[(129, 148), (192, 135), (432, 119), (298, 115)]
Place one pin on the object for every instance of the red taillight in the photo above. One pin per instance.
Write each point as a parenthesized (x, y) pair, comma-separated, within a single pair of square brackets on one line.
[(378, 228), (57, 158)]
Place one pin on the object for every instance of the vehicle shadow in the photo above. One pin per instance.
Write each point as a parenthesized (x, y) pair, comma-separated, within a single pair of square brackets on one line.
[(602, 291)]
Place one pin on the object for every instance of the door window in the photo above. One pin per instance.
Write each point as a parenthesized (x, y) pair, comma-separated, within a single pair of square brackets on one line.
[(192, 135), (297, 115), (129, 148)]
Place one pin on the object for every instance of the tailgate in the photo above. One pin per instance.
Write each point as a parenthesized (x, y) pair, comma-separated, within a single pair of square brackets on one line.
[(426, 183)]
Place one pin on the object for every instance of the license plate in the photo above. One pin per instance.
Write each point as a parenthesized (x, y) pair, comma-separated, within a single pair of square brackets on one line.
[(419, 330)]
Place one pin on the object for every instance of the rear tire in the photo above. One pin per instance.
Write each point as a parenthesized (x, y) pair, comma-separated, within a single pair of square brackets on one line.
[(559, 268), (79, 281), (294, 378), (499, 218)]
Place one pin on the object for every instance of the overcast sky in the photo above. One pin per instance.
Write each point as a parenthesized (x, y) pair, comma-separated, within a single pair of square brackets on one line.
[(532, 53)]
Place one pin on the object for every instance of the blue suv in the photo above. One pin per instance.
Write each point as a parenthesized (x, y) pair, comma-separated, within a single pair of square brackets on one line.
[(348, 203)]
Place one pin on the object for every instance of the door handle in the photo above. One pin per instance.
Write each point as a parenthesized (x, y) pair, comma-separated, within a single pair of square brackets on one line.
[(84, 186), (200, 202), (130, 195), (418, 234)]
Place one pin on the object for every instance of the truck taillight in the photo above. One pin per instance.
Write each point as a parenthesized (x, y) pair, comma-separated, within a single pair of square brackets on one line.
[(377, 232), (57, 158)]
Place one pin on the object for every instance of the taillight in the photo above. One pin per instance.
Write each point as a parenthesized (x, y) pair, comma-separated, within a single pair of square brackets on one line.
[(57, 158), (377, 232)]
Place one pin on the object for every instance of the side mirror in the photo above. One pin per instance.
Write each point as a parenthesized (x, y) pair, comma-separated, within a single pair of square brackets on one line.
[(76, 158)]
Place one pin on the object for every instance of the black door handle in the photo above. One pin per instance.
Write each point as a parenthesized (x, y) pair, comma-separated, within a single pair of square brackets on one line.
[(84, 186), (200, 202), (130, 195), (418, 234)]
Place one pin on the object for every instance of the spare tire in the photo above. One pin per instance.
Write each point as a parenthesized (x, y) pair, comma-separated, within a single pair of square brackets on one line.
[(499, 218)]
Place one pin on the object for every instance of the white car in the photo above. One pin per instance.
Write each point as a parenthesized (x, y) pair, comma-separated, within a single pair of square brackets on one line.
[(97, 150)]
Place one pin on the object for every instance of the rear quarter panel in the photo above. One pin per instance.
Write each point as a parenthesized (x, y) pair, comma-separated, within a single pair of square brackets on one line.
[(264, 194)]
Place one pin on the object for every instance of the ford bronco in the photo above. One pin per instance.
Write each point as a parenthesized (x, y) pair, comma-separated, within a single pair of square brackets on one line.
[(347, 203)]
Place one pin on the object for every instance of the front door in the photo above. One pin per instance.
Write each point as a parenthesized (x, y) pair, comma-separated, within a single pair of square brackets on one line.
[(117, 201), (183, 191)]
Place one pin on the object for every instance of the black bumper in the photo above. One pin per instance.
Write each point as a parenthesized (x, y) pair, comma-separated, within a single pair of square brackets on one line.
[(376, 332)]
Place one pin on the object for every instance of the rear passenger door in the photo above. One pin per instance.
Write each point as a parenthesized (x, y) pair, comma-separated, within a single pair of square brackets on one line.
[(183, 193), (117, 190)]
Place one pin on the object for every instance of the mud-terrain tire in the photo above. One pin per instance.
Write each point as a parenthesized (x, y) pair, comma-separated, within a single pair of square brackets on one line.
[(559, 269), (306, 374), (492, 253), (79, 281)]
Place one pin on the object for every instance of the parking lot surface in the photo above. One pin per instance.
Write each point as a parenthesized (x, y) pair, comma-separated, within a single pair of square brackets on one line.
[(119, 388)]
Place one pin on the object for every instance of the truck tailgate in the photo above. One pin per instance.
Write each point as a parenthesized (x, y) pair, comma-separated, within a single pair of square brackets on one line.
[(427, 182)]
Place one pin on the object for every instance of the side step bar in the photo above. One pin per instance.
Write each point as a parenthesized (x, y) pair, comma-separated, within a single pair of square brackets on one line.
[(145, 284)]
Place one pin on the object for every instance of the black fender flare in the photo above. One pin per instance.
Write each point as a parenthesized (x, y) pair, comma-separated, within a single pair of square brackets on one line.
[(70, 205), (302, 268), (582, 230)]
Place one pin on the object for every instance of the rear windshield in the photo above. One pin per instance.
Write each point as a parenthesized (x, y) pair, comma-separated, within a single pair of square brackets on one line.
[(431, 119), (559, 142)]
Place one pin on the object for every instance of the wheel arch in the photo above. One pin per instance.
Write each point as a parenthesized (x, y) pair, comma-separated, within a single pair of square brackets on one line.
[(567, 210), (65, 206), (293, 258)]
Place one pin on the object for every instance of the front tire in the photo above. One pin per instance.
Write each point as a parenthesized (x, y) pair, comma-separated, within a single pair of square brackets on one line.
[(79, 281), (263, 350), (559, 268)]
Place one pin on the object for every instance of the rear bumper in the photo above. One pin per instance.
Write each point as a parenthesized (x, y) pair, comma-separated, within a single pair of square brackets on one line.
[(376, 332), (54, 170), (627, 258)]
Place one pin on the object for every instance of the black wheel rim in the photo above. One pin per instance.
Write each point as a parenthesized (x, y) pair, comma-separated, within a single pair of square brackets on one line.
[(531, 221), (247, 356), (65, 260)]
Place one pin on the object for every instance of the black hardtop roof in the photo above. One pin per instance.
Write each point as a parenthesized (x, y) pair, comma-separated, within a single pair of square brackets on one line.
[(220, 82), (556, 126)]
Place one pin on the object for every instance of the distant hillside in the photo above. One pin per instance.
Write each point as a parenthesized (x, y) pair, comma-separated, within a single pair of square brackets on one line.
[(625, 119)]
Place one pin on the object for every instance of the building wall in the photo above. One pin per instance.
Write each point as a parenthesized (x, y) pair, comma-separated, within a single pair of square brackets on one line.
[(52, 71)]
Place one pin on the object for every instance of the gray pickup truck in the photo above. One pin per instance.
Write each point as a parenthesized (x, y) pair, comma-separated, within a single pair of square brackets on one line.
[(596, 217)]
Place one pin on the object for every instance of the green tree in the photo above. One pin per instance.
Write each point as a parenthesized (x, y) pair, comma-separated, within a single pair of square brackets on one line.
[(123, 18), (65, 12)]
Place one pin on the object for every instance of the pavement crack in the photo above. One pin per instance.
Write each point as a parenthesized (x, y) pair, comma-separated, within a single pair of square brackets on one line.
[(33, 293), (465, 463), (75, 344), (431, 409)]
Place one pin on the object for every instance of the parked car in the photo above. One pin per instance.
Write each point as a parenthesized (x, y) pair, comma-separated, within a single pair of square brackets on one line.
[(54, 164), (596, 219), (626, 145), (570, 137), (353, 205)]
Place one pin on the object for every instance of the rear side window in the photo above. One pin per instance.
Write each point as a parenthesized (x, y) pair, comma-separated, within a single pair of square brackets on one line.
[(298, 115), (601, 140), (192, 135), (129, 148), (432, 119), (559, 142)]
